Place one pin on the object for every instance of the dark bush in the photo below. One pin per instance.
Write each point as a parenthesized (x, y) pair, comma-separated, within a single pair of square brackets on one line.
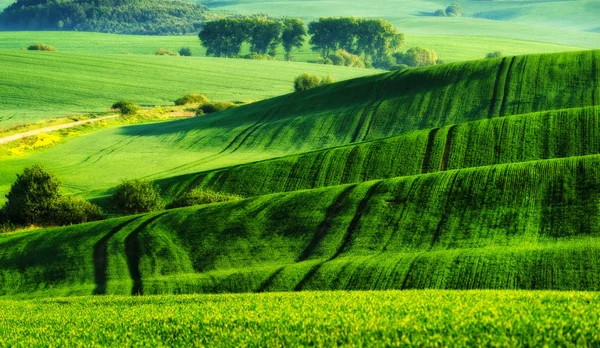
[(494, 54), (136, 196), (325, 61), (215, 107), (32, 197), (343, 58), (126, 107), (41, 47), (185, 52), (258, 56), (454, 10), (74, 210), (199, 197), (193, 98)]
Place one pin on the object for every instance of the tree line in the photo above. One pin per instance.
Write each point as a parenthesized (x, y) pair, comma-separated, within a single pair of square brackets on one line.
[(375, 39), (149, 17)]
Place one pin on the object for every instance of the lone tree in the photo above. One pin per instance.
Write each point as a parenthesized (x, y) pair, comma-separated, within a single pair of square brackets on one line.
[(293, 35), (31, 198), (137, 196)]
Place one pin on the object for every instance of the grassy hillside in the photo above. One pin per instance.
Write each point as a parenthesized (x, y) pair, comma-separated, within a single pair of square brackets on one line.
[(519, 226), (356, 110), (520, 211), (450, 48), (409, 318), (76, 83)]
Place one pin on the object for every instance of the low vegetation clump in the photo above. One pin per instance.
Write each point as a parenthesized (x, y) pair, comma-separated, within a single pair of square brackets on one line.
[(135, 197), (258, 56), (454, 10), (200, 196), (344, 58), (418, 57), (35, 199), (495, 54), (209, 108), (164, 52), (308, 81), (192, 98), (185, 52), (126, 107), (41, 47)]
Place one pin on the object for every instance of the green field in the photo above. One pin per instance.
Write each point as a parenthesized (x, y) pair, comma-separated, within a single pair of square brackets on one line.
[(410, 319), (79, 83), (451, 48), (565, 14), (490, 171)]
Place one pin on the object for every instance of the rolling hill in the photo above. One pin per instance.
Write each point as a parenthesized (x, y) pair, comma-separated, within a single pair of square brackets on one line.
[(476, 175), (80, 83)]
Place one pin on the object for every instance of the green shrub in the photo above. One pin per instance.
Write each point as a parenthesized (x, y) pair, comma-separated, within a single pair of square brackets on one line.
[(185, 52), (126, 107), (193, 98), (345, 58), (199, 197), (135, 197), (454, 10), (41, 47), (417, 57), (210, 108), (440, 13), (32, 197), (307, 81), (326, 61), (494, 54), (74, 210), (163, 52), (258, 56)]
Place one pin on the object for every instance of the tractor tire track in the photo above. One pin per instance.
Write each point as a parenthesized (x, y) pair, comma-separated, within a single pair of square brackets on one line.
[(332, 212), (495, 96), (438, 230), (506, 87), (447, 148), (267, 283), (132, 251), (428, 150), (100, 256)]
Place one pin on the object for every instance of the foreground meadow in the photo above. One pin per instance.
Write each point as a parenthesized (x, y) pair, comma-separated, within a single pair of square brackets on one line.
[(408, 318)]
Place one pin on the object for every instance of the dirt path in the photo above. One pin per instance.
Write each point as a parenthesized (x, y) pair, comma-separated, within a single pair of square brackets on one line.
[(31, 133)]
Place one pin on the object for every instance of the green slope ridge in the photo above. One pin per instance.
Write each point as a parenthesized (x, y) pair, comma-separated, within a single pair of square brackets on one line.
[(519, 138), (526, 226), (498, 225), (356, 110)]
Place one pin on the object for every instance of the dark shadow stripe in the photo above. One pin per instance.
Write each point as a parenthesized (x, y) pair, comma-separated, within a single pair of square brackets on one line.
[(308, 276), (409, 272), (506, 87), (447, 148), (495, 95), (429, 150), (132, 250), (100, 255), (332, 211), (444, 218), (362, 207), (267, 283)]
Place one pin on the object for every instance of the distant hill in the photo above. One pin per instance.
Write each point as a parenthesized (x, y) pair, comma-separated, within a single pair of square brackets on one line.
[(151, 17)]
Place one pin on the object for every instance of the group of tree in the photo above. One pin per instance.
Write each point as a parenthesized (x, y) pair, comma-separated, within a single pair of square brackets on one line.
[(225, 37), (454, 10), (339, 40), (150, 17), (416, 57), (308, 81)]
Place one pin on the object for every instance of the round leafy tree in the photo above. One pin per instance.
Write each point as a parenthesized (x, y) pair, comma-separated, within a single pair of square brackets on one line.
[(31, 198), (137, 196)]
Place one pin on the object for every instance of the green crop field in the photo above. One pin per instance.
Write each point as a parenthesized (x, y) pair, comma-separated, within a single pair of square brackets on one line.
[(490, 175), (410, 319), (450, 48), (78, 83)]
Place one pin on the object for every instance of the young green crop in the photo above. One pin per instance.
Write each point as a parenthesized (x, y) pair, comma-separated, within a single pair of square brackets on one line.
[(375, 319)]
